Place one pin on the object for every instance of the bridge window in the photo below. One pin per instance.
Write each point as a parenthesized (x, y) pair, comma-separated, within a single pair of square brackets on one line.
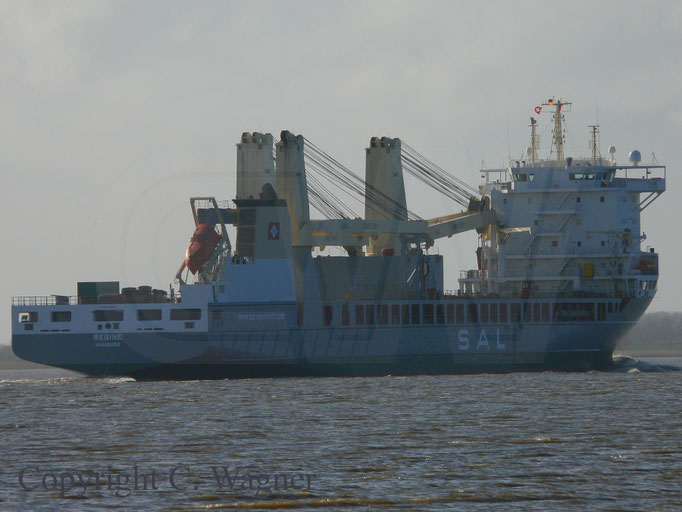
[(146, 315), (601, 311), (521, 177), (527, 313), (536, 312), (503, 312), (382, 314), (545, 312), (493, 312), (107, 315), (61, 316), (185, 314), (450, 313)]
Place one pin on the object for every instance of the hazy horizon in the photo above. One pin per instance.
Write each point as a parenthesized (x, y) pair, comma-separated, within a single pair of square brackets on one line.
[(117, 112)]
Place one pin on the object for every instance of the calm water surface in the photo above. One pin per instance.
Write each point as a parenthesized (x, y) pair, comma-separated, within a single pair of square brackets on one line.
[(546, 441)]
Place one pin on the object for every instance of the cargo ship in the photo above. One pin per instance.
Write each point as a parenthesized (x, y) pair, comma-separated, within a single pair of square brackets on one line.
[(560, 272)]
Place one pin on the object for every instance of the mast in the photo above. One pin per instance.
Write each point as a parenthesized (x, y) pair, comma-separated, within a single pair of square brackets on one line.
[(593, 143), (558, 133), (533, 153)]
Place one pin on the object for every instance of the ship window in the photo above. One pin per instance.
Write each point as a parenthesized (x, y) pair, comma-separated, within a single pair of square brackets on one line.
[(545, 312), (603, 243), (577, 199), (516, 312), (245, 235), (484, 313), (428, 313), (555, 243), (440, 317), (601, 311), (345, 315), (493, 312), (395, 314), (406, 314), (610, 307), (579, 243), (107, 315), (415, 313), (189, 325), (28, 327), (473, 313), (359, 315), (503, 312), (527, 313), (601, 199), (521, 177), (61, 316), (247, 216), (217, 317), (185, 314), (586, 312), (327, 314), (536, 312), (369, 314), (460, 313), (28, 316), (531, 177), (382, 314), (144, 315), (450, 313)]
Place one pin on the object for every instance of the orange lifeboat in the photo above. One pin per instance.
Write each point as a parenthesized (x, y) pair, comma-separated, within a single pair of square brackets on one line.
[(201, 247)]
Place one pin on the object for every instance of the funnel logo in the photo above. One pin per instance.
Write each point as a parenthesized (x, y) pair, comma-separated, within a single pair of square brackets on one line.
[(273, 231)]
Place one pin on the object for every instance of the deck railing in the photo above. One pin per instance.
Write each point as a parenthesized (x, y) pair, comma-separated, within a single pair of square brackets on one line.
[(49, 300)]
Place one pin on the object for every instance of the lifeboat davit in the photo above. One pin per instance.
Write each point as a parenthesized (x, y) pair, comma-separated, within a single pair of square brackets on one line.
[(201, 247)]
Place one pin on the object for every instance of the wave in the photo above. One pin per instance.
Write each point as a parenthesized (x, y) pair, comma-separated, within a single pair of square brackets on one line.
[(627, 364)]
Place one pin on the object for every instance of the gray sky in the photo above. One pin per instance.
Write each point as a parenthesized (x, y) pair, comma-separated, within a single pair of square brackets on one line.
[(114, 113)]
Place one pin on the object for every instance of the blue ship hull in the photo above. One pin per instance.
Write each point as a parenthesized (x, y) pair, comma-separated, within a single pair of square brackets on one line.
[(350, 351)]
